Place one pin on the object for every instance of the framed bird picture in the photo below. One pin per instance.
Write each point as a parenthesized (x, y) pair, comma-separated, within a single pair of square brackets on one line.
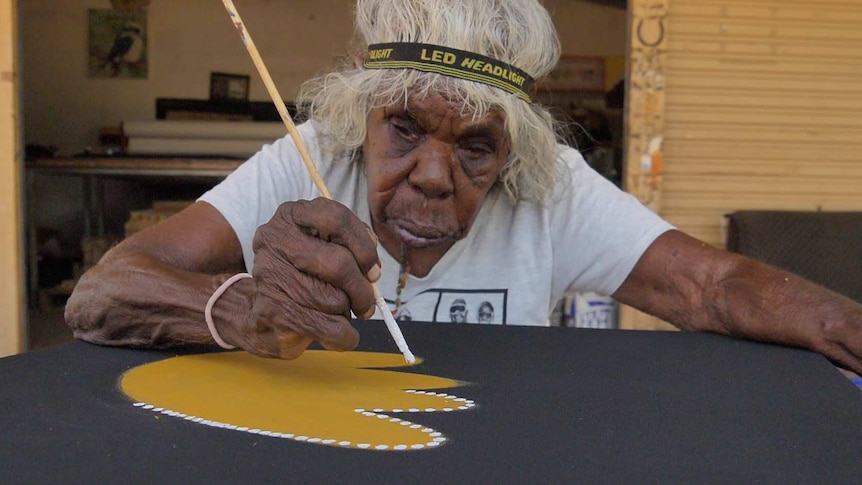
[(117, 43)]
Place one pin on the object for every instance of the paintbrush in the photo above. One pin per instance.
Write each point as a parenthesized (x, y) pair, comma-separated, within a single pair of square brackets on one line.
[(391, 324)]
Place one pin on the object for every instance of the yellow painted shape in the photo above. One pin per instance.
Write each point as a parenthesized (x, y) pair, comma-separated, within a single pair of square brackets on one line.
[(338, 399)]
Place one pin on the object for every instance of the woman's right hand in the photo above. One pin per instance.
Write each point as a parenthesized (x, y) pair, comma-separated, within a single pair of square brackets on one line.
[(314, 264)]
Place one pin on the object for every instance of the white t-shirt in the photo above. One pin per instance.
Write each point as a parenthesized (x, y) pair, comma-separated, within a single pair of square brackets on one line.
[(512, 267)]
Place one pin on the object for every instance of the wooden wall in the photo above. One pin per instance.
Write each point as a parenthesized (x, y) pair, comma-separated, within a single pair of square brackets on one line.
[(760, 109), (11, 284)]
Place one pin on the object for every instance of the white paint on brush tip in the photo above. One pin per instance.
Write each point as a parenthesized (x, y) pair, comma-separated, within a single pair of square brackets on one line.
[(395, 330)]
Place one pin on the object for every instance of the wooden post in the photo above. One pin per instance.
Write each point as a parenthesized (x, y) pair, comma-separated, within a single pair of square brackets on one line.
[(11, 267), (645, 100), (645, 96)]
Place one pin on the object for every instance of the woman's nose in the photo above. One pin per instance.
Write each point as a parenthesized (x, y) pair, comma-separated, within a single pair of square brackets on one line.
[(432, 173)]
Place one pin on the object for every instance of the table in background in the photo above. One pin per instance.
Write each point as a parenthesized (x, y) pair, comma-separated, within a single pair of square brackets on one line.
[(554, 405), (92, 170)]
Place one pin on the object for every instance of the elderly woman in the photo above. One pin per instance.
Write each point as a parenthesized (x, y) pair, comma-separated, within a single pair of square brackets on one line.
[(448, 183)]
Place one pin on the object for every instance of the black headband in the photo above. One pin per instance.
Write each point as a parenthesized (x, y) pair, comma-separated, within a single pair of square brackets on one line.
[(450, 62)]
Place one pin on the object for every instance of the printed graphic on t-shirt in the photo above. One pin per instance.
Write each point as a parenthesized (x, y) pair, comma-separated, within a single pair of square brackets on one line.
[(456, 306)]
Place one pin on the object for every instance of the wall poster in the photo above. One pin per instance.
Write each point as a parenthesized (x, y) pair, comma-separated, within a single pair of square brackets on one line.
[(117, 43)]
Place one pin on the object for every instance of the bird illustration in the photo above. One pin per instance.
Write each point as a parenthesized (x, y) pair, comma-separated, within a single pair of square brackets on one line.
[(127, 49)]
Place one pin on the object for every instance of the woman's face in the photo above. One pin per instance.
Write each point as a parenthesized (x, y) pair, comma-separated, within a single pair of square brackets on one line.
[(429, 170)]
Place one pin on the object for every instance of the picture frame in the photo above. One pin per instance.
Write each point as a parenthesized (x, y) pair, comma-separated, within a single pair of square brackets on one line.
[(583, 74), (226, 86), (117, 44)]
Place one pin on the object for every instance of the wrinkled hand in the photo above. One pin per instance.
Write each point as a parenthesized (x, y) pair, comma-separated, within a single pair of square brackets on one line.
[(314, 263), (843, 341)]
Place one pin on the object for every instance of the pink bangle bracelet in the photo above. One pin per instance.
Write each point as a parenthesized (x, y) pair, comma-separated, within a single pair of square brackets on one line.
[(209, 308)]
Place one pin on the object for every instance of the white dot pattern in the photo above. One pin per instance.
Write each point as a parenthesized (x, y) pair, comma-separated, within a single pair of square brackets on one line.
[(435, 438)]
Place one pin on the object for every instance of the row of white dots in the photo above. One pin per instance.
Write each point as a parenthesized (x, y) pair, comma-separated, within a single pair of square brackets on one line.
[(437, 437), (440, 394), (417, 410), (465, 404)]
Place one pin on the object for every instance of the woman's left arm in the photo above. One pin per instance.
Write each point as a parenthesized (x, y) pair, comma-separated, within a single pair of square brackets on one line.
[(695, 286)]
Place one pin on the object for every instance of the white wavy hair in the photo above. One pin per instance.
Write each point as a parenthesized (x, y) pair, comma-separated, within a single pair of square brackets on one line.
[(518, 32)]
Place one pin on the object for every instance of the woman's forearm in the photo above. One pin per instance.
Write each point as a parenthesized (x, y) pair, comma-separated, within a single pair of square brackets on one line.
[(133, 299), (698, 287), (759, 302)]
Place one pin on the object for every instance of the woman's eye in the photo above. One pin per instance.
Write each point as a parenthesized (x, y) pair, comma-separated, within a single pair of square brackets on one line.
[(479, 149), (477, 158), (406, 130)]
